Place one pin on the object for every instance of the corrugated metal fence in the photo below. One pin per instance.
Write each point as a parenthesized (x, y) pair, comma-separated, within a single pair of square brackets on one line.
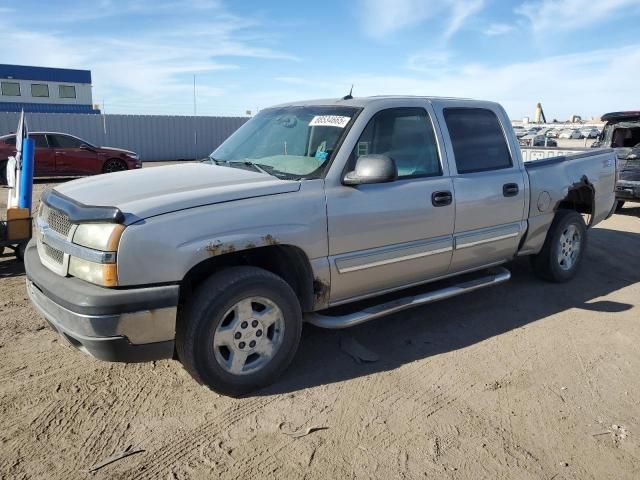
[(153, 137)]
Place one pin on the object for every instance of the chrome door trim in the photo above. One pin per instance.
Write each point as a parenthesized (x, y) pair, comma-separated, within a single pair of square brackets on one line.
[(376, 257), (394, 260), (487, 235), (486, 240)]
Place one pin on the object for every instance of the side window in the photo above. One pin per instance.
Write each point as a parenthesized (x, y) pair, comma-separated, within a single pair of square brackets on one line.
[(478, 140), (10, 89), (10, 141), (40, 141), (39, 90), (64, 141), (406, 135), (67, 91)]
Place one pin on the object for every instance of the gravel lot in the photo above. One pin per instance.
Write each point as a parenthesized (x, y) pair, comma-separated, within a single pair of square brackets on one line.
[(523, 380)]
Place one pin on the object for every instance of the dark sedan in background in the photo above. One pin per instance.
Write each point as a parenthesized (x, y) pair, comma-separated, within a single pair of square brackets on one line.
[(63, 155)]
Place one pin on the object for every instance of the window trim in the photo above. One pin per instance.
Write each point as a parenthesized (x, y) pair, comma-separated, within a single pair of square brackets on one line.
[(46, 139), (48, 95), (60, 87), (504, 136), (52, 142), (430, 118), (2, 84)]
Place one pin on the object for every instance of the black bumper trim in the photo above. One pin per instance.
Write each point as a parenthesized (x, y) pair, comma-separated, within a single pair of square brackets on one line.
[(88, 299), (117, 349)]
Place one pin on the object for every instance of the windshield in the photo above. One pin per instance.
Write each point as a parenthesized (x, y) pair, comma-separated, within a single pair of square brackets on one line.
[(288, 142)]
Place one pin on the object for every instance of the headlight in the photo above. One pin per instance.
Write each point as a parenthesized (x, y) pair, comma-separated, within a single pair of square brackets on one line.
[(103, 237), (99, 236), (105, 274)]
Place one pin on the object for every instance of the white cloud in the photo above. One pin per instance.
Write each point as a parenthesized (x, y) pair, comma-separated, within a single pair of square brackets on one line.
[(585, 84), (555, 16), (460, 12), (429, 61), (148, 70), (381, 18), (498, 29)]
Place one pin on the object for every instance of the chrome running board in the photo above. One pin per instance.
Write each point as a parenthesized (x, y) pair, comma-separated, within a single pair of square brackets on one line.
[(497, 275)]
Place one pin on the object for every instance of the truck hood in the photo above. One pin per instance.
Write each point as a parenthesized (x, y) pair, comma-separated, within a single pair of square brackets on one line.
[(153, 191)]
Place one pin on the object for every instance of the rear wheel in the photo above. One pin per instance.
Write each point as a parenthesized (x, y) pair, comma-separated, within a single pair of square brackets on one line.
[(619, 205), (240, 330), (563, 249), (114, 165)]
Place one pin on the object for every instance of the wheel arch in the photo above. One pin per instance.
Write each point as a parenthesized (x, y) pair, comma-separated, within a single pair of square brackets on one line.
[(287, 261), (581, 198), (117, 159)]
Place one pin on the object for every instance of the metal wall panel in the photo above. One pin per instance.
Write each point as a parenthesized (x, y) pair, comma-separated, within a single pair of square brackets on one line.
[(153, 137)]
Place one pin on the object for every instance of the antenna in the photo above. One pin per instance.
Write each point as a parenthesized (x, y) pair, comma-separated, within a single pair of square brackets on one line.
[(349, 96)]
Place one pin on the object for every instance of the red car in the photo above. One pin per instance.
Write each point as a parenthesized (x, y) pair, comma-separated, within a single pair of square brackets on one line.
[(63, 155)]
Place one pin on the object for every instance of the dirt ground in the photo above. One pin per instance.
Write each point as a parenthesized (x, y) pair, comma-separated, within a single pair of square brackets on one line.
[(525, 380)]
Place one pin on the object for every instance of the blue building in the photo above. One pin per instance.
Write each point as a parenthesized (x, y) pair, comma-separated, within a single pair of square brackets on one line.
[(45, 90)]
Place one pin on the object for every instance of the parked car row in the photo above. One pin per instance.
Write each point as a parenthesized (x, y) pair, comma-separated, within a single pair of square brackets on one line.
[(564, 133), (64, 155)]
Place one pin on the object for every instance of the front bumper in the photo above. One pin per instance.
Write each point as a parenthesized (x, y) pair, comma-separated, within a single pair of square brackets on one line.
[(129, 325), (626, 190)]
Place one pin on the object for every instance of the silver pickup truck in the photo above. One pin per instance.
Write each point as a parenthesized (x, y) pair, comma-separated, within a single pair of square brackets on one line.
[(307, 207)]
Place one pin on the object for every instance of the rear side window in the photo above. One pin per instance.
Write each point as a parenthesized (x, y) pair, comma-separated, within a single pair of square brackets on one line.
[(64, 141), (40, 141), (478, 140)]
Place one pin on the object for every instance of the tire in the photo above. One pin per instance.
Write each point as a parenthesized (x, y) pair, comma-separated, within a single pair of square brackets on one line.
[(211, 332), (3, 172), (19, 251), (619, 205), (563, 249), (114, 165)]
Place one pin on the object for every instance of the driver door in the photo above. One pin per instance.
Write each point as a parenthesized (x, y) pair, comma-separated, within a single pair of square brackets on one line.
[(71, 157), (391, 235)]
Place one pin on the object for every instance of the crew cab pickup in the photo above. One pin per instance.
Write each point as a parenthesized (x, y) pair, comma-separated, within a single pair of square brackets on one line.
[(307, 207)]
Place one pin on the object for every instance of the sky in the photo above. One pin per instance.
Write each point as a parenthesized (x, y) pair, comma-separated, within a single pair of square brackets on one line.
[(575, 56)]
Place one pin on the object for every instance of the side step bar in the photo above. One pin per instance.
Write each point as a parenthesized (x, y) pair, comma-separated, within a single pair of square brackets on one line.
[(498, 275)]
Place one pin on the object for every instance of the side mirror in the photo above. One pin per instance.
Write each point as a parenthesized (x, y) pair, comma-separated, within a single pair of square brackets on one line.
[(372, 169), (84, 146)]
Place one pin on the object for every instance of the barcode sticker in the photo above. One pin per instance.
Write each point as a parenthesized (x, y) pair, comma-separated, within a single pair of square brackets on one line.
[(329, 121)]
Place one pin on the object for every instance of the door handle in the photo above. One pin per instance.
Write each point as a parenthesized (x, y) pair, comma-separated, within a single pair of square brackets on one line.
[(510, 189), (441, 199), (60, 153)]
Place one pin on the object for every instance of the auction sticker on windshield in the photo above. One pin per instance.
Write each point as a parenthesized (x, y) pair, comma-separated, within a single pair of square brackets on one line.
[(329, 121)]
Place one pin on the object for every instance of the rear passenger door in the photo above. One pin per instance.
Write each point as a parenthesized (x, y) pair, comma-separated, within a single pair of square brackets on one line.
[(488, 184)]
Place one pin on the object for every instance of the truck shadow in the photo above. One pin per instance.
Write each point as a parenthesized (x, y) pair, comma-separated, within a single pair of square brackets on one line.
[(10, 266), (630, 209), (455, 323)]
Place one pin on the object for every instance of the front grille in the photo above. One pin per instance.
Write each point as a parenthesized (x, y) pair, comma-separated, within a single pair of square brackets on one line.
[(58, 222), (55, 255)]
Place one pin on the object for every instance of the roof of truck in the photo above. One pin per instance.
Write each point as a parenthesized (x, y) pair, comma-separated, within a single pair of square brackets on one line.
[(360, 102), (617, 116)]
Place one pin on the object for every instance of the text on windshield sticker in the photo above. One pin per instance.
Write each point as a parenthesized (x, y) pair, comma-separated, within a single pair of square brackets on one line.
[(329, 121)]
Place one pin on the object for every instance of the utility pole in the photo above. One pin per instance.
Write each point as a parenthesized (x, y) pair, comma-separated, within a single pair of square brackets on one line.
[(195, 126)]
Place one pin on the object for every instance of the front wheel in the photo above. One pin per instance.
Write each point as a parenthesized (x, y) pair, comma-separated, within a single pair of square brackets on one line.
[(240, 330), (114, 165)]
